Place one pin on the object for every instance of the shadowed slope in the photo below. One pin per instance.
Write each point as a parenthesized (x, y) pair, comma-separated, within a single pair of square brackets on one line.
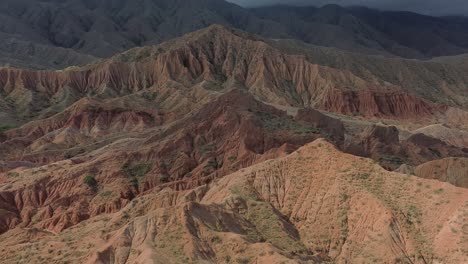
[(73, 31)]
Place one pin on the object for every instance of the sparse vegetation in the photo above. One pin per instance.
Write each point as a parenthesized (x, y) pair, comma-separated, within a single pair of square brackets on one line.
[(243, 260), (163, 178), (216, 240), (213, 86), (362, 175), (412, 215), (150, 96), (90, 181), (74, 152), (13, 174), (435, 152), (137, 170), (134, 182), (274, 122), (106, 194), (4, 128), (268, 224), (213, 163), (392, 159), (205, 149)]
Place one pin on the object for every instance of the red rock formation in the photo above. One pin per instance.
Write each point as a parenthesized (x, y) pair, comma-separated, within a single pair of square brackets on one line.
[(311, 203), (384, 145), (452, 170), (225, 135), (449, 135), (86, 120), (333, 127), (220, 56), (373, 103)]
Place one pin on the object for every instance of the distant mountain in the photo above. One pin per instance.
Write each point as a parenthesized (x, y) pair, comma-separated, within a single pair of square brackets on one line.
[(104, 28), (367, 30), (75, 32), (432, 36)]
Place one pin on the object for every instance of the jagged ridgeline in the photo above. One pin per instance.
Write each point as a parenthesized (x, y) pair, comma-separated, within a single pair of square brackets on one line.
[(54, 34), (222, 146), (217, 59)]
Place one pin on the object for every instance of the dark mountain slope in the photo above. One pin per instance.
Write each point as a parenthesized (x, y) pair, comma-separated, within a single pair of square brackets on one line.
[(432, 36), (360, 29), (335, 26), (104, 28)]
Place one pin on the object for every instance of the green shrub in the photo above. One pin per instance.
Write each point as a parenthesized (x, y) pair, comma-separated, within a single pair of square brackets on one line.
[(138, 170), (90, 181), (74, 152), (150, 96), (5, 128), (13, 174), (163, 178), (392, 159), (207, 148), (106, 194), (435, 152), (212, 164), (216, 240), (273, 122), (134, 182), (243, 260), (363, 175), (413, 215)]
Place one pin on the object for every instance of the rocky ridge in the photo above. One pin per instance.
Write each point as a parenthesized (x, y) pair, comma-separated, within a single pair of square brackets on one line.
[(191, 140)]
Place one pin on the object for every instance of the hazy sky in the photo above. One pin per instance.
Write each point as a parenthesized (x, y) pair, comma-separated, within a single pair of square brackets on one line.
[(435, 7)]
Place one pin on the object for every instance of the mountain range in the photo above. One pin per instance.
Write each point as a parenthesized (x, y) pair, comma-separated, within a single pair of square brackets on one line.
[(203, 132), (54, 34)]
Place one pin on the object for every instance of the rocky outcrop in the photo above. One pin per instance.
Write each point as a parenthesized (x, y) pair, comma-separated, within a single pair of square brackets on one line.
[(227, 134), (373, 103), (333, 127), (92, 117), (421, 148), (306, 206), (378, 143), (232, 132), (383, 144), (451, 136), (58, 199), (216, 58), (82, 123), (451, 170)]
